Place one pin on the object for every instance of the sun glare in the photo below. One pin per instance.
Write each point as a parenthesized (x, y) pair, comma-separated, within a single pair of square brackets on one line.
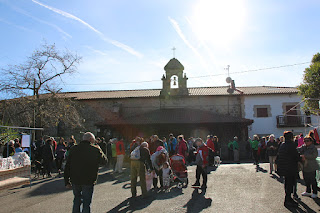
[(219, 22)]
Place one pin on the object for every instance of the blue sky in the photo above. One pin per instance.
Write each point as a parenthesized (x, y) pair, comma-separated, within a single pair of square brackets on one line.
[(131, 41)]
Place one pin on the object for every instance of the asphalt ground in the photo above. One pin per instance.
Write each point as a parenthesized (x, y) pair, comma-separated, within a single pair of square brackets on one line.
[(231, 188)]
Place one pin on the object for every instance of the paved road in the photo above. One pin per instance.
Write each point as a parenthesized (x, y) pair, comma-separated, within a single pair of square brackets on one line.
[(231, 188)]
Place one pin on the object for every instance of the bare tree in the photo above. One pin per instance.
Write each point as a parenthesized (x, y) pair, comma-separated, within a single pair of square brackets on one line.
[(34, 85), (40, 73)]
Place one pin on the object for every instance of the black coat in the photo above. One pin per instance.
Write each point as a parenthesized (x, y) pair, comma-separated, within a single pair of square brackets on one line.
[(145, 157), (274, 151), (5, 151), (47, 153), (287, 160), (109, 149), (83, 164)]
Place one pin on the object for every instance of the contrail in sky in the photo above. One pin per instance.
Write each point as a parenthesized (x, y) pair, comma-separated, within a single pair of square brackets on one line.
[(42, 21), (103, 37), (185, 40)]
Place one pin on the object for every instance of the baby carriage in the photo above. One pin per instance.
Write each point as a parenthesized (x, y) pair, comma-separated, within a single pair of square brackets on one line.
[(179, 170)]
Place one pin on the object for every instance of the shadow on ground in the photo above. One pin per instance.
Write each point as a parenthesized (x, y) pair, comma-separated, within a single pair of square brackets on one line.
[(139, 203), (56, 185), (302, 208), (198, 202)]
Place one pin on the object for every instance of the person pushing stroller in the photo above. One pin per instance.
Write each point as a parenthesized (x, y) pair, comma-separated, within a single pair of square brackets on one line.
[(202, 163)]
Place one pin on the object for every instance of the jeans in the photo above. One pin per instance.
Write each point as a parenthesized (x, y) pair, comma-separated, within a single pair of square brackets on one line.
[(201, 171), (138, 169), (310, 180), (119, 163), (272, 160), (82, 194)]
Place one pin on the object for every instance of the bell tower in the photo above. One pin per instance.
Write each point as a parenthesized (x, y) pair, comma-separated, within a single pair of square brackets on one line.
[(174, 81)]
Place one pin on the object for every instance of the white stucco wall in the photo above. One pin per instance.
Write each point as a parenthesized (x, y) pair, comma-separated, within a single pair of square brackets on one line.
[(268, 125)]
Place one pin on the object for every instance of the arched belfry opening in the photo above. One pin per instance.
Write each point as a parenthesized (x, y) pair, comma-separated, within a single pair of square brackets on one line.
[(174, 81)]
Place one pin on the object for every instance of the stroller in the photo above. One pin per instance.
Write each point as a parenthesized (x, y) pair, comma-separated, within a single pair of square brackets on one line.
[(179, 170)]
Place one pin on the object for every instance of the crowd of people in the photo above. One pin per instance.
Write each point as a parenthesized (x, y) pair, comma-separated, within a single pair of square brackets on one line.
[(293, 155), (146, 157), (150, 160)]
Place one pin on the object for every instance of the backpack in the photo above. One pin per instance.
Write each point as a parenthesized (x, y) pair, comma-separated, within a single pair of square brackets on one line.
[(135, 154)]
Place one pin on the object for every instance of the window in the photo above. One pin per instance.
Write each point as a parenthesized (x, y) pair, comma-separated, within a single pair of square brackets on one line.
[(262, 112)]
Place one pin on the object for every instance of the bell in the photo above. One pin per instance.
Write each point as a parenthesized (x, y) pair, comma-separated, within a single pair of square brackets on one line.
[(174, 83)]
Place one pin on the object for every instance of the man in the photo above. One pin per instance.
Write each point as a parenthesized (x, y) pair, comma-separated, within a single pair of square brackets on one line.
[(82, 171), (202, 163), (287, 162), (120, 155), (272, 150), (230, 151), (8, 149), (235, 146), (172, 143), (155, 142)]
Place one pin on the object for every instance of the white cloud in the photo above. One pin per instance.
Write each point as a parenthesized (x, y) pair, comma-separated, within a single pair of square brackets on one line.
[(103, 37)]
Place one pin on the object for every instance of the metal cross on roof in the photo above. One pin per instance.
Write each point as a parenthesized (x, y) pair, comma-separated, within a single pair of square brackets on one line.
[(174, 52)]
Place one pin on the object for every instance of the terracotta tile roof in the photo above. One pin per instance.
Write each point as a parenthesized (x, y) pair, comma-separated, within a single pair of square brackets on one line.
[(176, 116), (196, 91)]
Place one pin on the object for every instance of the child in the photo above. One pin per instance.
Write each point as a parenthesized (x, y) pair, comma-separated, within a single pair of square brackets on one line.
[(202, 163), (166, 173)]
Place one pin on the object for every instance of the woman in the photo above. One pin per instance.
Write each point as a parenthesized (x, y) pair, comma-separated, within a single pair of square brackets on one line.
[(255, 147), (158, 158), (60, 153), (309, 153), (48, 156), (311, 135), (138, 168), (17, 147), (182, 147), (216, 146), (281, 140)]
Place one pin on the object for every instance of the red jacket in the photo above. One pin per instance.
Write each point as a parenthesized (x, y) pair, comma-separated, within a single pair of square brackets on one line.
[(204, 153), (182, 148), (120, 148), (210, 144)]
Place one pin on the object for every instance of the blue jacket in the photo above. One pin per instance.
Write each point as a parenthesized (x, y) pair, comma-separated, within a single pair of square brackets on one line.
[(172, 143)]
